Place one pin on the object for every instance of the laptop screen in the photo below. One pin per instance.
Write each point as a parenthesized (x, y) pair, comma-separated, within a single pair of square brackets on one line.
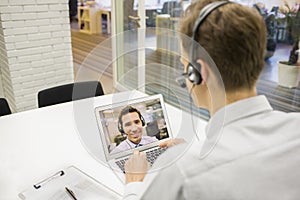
[(136, 124)]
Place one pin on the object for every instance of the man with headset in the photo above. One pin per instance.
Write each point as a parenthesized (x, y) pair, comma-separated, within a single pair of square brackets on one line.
[(251, 151), (131, 122)]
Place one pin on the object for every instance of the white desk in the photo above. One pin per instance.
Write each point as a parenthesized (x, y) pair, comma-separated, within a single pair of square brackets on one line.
[(37, 143)]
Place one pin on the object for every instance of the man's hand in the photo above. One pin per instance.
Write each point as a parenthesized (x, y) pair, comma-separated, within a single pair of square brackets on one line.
[(136, 167), (171, 142)]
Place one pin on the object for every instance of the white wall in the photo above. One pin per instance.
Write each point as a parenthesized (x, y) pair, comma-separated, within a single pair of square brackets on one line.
[(1, 87), (103, 3), (35, 49), (1, 58), (6, 84)]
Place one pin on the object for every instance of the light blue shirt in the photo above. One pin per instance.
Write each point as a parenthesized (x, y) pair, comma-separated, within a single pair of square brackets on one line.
[(127, 144), (256, 157)]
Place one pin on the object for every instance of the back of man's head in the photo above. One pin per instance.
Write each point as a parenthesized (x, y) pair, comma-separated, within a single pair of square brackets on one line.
[(235, 38)]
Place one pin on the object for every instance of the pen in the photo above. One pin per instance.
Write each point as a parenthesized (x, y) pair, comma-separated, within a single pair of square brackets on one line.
[(71, 193)]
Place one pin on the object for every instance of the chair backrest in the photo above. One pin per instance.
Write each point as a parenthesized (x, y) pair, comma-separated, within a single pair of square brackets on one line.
[(4, 107), (69, 92)]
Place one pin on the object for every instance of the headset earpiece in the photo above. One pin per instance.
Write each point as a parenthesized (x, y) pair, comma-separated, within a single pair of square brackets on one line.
[(194, 75), (143, 120), (120, 127)]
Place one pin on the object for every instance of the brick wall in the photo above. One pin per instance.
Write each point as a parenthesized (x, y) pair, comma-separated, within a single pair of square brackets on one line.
[(6, 84), (35, 49), (2, 57)]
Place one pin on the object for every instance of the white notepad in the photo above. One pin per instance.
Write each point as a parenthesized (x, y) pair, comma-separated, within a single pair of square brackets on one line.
[(82, 185)]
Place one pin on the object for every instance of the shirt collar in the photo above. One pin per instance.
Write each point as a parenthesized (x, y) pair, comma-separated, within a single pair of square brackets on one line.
[(235, 111), (133, 144)]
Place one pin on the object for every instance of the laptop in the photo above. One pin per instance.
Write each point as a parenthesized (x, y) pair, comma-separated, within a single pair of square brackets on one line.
[(117, 145)]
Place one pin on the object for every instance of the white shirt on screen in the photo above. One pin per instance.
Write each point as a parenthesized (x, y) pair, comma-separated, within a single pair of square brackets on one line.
[(127, 144), (256, 157)]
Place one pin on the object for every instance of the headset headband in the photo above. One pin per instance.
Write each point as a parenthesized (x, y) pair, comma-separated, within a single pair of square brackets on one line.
[(194, 69), (205, 12), (202, 16)]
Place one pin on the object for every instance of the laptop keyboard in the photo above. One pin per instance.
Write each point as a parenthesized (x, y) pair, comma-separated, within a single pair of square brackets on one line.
[(151, 156)]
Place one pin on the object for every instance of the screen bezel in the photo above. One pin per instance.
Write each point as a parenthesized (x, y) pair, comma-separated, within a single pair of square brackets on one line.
[(123, 104)]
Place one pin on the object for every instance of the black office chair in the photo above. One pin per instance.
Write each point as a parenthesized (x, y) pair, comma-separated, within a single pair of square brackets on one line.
[(69, 92), (4, 107)]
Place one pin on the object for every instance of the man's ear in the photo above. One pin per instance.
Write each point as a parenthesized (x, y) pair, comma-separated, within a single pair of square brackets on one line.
[(204, 70)]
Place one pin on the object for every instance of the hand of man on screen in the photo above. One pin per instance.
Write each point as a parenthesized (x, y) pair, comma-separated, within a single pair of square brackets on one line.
[(136, 167), (171, 142)]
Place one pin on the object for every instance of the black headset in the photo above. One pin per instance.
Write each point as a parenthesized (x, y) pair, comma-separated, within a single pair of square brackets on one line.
[(126, 110), (194, 68)]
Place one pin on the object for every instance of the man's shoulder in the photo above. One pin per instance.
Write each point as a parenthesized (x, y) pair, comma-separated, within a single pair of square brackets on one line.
[(122, 146), (284, 118)]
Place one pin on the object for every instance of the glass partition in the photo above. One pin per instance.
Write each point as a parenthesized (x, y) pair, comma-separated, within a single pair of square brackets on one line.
[(146, 53)]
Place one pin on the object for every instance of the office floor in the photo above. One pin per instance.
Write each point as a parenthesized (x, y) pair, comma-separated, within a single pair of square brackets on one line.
[(269, 72), (89, 66), (98, 67)]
